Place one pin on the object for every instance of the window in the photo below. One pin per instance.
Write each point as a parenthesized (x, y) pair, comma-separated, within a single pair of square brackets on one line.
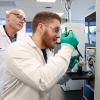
[(28, 27), (90, 29)]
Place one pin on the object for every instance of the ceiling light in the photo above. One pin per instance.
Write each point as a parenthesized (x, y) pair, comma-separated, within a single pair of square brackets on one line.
[(48, 7), (46, 0), (60, 14)]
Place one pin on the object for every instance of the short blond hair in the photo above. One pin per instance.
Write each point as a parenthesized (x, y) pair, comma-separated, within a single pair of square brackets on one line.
[(16, 10)]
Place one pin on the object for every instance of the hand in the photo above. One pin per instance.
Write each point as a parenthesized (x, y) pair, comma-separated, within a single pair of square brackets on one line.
[(70, 39), (82, 62), (76, 57), (73, 61)]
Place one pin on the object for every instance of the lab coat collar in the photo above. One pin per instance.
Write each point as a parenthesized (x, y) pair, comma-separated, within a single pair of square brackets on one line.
[(2, 31), (31, 42), (4, 35), (33, 45)]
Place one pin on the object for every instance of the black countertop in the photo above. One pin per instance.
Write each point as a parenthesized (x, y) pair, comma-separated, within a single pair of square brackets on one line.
[(81, 76)]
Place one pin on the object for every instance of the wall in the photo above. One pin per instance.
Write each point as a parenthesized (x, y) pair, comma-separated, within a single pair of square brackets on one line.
[(97, 79), (79, 30)]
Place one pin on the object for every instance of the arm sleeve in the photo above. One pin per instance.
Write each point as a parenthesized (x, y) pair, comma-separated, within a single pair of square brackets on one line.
[(25, 66)]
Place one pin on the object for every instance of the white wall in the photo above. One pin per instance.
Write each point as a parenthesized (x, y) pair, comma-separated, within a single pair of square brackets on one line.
[(79, 30), (97, 80)]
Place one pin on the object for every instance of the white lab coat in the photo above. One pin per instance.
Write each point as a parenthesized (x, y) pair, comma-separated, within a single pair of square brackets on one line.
[(27, 75), (4, 42)]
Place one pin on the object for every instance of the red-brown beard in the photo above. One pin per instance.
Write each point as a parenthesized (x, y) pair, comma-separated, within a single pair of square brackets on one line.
[(48, 41)]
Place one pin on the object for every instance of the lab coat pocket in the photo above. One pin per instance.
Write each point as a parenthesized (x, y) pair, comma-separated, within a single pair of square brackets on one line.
[(2, 49)]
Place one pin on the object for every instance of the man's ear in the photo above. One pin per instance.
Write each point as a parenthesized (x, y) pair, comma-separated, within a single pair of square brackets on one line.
[(41, 27)]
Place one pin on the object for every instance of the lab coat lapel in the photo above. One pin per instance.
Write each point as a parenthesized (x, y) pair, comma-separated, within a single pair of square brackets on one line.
[(4, 35)]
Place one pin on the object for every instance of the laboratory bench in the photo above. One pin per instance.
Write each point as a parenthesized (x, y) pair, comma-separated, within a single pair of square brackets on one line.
[(84, 75), (89, 82)]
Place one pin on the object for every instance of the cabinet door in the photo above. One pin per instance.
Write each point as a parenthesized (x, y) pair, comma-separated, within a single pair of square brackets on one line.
[(88, 92)]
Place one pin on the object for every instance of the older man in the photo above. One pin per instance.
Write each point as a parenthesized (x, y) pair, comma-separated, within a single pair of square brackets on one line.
[(15, 19)]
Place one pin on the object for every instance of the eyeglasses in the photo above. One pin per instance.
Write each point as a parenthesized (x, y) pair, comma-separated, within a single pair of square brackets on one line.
[(55, 29), (19, 16)]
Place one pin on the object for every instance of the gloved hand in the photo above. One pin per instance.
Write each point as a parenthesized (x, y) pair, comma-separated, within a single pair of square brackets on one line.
[(82, 62), (74, 60), (75, 57), (70, 39)]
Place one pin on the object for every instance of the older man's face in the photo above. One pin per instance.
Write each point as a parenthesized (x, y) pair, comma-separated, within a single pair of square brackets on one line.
[(15, 20)]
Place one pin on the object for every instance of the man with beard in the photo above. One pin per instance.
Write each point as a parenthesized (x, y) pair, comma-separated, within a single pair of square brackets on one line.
[(32, 70)]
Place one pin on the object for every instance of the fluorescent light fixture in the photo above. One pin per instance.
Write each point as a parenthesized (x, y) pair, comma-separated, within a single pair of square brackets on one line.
[(46, 1), (60, 14)]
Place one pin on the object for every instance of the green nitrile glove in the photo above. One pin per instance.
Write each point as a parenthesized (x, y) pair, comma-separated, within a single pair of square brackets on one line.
[(70, 39), (74, 60), (75, 57)]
